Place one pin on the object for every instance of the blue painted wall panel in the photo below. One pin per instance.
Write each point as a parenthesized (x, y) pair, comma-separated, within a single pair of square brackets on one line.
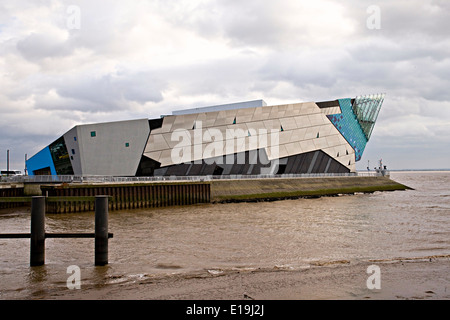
[(41, 160)]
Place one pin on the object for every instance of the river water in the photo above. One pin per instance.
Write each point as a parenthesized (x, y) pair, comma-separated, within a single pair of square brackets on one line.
[(214, 238)]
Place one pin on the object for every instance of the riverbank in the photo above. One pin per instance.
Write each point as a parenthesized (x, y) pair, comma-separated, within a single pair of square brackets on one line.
[(424, 278)]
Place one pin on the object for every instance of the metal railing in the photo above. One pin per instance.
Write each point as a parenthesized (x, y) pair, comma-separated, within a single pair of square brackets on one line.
[(113, 179)]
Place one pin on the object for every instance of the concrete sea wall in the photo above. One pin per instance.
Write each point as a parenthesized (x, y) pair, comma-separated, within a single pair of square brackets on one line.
[(125, 195), (273, 189)]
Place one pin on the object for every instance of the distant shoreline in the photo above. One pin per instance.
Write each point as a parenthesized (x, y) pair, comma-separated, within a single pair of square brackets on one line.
[(409, 170)]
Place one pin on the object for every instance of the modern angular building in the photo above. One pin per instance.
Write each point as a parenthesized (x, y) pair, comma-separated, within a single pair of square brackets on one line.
[(241, 138)]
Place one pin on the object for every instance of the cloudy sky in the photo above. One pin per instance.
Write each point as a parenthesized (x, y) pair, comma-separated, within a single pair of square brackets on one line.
[(64, 63)]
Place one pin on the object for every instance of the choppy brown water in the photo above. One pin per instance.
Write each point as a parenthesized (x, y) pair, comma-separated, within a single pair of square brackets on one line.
[(212, 239)]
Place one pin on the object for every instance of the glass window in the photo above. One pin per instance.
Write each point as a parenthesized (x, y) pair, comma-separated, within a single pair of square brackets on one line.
[(127, 144), (60, 157), (93, 133)]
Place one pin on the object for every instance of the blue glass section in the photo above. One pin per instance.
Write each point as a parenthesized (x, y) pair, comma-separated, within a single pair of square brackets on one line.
[(348, 125), (40, 160)]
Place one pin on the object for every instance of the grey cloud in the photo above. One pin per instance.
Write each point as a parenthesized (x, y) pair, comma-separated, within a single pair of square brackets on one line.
[(112, 91), (221, 77), (415, 19), (39, 46), (259, 23), (93, 93)]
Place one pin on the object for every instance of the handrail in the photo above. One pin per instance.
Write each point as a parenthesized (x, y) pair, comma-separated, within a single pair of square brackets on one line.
[(115, 179)]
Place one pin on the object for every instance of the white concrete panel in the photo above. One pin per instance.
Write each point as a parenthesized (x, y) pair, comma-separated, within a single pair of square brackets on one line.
[(352, 167), (285, 136), (153, 155), (315, 119), (256, 125), (262, 113), (257, 114), (213, 134), (340, 149), (307, 145), (282, 151), (293, 148), (246, 112), (331, 151), (231, 113), (330, 110), (278, 111), (326, 111), (213, 149), (289, 110), (282, 107), (276, 152), (297, 109), (298, 134), (157, 131), (209, 123), (288, 123), (178, 137), (272, 124), (327, 121), (210, 119), (244, 118), (309, 108), (223, 119), (197, 152), (333, 140), (265, 116), (166, 157), (343, 158), (156, 142), (228, 106), (321, 143), (327, 130), (166, 125), (311, 133), (201, 117), (239, 128), (302, 121)]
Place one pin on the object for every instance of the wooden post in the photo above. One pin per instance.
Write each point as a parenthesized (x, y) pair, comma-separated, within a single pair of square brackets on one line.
[(37, 236), (101, 230)]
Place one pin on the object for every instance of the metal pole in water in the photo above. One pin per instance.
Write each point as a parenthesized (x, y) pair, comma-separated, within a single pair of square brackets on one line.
[(101, 230), (37, 243)]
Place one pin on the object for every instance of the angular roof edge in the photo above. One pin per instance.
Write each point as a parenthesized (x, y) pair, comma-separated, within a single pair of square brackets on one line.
[(230, 106)]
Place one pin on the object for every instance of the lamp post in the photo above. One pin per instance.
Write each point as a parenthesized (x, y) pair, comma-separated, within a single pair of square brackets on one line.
[(7, 163)]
